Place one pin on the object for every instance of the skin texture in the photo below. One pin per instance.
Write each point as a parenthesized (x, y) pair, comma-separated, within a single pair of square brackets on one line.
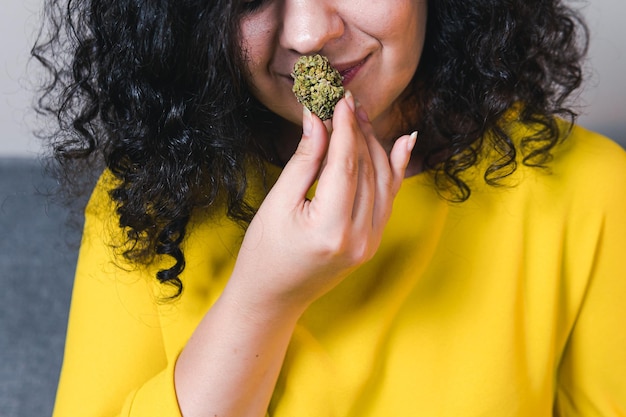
[(388, 35), (230, 365)]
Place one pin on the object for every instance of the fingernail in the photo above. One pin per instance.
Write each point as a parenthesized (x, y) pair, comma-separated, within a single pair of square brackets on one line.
[(350, 100), (411, 143), (307, 121)]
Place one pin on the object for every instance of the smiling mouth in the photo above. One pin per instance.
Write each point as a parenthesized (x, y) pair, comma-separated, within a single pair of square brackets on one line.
[(349, 73)]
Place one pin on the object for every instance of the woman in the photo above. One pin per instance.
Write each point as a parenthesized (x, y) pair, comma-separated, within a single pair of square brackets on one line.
[(242, 258)]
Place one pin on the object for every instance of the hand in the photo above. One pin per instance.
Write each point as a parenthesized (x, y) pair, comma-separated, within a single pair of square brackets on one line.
[(296, 249)]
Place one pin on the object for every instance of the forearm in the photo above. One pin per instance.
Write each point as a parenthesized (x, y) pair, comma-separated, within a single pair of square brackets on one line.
[(230, 365), (295, 250)]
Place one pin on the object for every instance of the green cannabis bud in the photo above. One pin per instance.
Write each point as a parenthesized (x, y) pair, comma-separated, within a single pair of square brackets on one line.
[(317, 85)]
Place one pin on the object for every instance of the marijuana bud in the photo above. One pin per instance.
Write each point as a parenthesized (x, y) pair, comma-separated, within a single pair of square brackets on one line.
[(317, 85)]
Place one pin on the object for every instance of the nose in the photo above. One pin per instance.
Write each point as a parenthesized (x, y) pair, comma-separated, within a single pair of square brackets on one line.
[(308, 25)]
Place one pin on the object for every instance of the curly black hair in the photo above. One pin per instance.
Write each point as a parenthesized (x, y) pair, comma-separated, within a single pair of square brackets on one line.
[(154, 91), (484, 58)]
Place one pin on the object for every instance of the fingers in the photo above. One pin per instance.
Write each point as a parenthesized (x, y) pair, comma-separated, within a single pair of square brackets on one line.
[(389, 170), (357, 179), (382, 176), (399, 158), (343, 169), (358, 165), (302, 169), (372, 164)]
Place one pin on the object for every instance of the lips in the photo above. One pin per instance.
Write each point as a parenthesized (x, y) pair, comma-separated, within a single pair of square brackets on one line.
[(349, 70)]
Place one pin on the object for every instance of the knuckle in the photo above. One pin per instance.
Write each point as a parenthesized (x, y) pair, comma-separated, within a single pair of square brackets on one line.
[(353, 250), (303, 154), (351, 166), (334, 245), (361, 252)]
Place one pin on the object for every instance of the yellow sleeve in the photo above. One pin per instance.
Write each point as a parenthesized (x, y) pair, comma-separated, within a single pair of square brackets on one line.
[(592, 374), (115, 362)]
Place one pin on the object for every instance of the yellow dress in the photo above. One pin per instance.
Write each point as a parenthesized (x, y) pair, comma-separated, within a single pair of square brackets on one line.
[(512, 303)]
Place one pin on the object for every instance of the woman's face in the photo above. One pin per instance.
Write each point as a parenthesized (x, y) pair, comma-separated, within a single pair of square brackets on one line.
[(375, 44)]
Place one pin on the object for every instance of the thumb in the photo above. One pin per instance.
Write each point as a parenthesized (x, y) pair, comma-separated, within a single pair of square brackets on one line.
[(302, 169)]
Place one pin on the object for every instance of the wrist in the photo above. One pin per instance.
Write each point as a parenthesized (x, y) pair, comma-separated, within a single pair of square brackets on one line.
[(258, 308)]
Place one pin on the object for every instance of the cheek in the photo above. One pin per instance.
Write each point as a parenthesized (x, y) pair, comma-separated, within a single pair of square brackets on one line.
[(406, 24), (254, 38), (400, 31), (399, 26), (405, 34)]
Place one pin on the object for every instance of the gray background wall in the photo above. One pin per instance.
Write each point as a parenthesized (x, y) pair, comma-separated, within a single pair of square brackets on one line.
[(603, 102), (18, 23)]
